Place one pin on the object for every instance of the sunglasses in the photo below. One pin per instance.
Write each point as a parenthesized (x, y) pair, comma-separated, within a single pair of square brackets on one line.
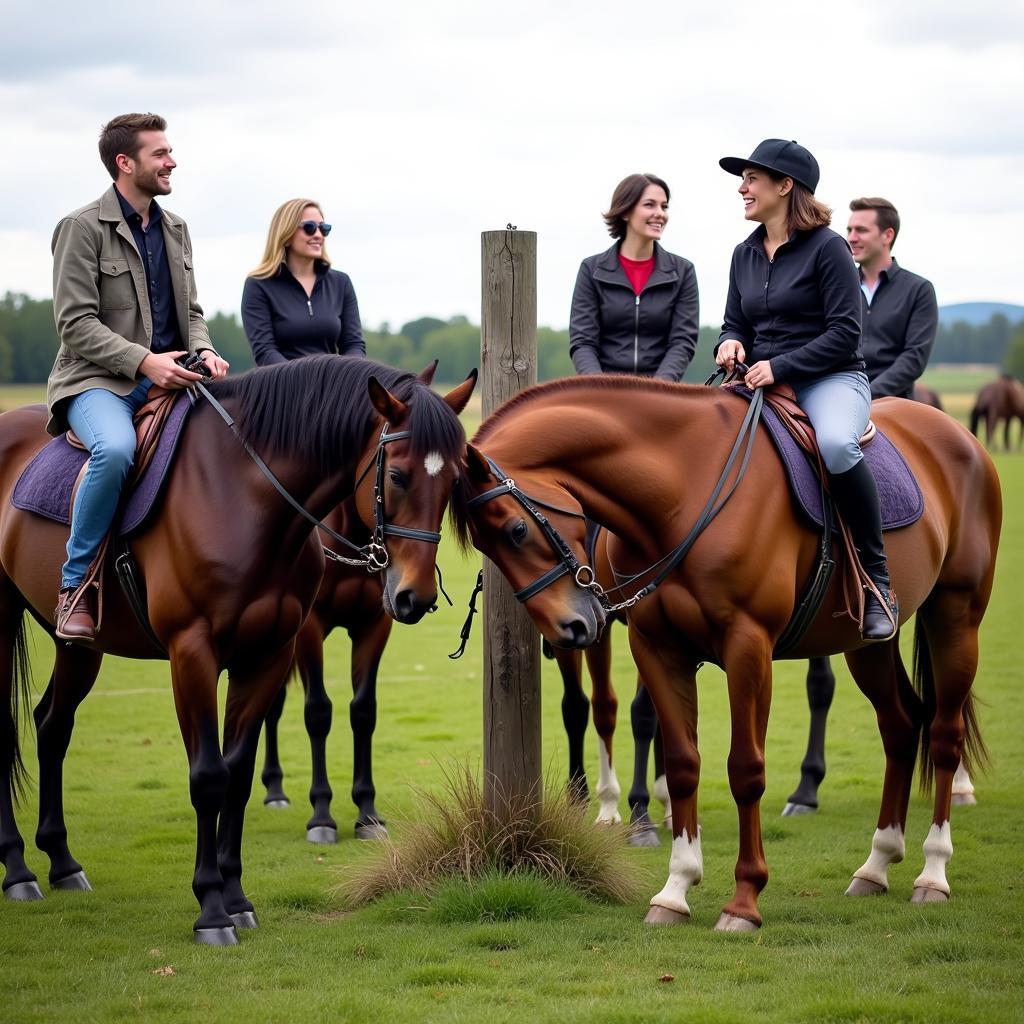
[(311, 227)]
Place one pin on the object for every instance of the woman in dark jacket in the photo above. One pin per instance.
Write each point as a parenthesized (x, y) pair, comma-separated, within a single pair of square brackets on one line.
[(634, 308), (793, 314), (293, 303)]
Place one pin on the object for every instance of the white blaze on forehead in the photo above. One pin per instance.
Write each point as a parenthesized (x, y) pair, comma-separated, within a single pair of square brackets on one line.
[(433, 464)]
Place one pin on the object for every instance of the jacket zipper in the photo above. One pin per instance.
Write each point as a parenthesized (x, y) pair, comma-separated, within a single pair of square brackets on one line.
[(309, 306), (636, 335)]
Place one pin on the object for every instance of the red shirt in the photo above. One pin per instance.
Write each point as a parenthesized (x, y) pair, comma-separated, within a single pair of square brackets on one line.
[(638, 271)]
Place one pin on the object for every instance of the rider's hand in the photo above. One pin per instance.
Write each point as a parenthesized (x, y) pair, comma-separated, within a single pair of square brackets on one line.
[(760, 375), (162, 370), (729, 353), (218, 367)]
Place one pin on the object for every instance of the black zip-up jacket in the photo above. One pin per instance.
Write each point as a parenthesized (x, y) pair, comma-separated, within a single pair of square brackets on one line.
[(282, 323), (900, 325), (801, 310), (614, 330)]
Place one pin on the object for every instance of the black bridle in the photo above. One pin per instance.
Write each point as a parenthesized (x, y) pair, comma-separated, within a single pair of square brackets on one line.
[(372, 556)]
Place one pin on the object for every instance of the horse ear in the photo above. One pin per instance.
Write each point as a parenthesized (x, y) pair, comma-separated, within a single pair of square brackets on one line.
[(427, 373), (458, 397), (391, 408), (478, 466)]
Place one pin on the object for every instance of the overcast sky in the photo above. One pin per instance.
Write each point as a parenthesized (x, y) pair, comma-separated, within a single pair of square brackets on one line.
[(420, 123)]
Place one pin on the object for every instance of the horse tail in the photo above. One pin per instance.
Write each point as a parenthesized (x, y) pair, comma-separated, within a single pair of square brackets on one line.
[(975, 754), (11, 718)]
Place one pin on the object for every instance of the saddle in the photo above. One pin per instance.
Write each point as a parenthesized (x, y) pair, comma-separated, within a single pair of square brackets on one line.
[(49, 483)]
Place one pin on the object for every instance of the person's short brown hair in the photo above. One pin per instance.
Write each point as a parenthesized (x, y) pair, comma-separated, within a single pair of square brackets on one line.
[(885, 213), (626, 195), (121, 135)]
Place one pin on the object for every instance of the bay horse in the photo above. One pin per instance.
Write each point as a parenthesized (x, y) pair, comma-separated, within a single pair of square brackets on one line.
[(642, 457), (927, 396), (231, 569), (349, 598), (999, 401)]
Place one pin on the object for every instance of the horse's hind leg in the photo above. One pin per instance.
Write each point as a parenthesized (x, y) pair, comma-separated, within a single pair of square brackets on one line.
[(821, 688), (74, 673), (19, 882), (273, 774), (368, 645), (963, 788), (251, 691)]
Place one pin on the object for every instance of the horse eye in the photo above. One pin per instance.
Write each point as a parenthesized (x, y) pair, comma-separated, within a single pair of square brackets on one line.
[(397, 477), (519, 532)]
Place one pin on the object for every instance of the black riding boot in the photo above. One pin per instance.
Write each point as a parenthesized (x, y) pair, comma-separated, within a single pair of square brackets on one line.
[(856, 496)]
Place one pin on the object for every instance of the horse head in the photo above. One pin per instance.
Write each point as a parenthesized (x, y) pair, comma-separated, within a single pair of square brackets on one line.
[(535, 533), (403, 497)]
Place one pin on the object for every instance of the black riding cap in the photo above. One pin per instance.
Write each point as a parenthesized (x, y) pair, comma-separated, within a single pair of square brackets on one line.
[(780, 156)]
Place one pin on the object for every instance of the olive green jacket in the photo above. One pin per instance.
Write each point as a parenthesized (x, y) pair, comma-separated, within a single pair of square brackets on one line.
[(101, 303)]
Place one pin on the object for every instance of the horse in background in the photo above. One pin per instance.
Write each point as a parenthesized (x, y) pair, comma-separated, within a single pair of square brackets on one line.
[(927, 396), (594, 447), (231, 570), (999, 401)]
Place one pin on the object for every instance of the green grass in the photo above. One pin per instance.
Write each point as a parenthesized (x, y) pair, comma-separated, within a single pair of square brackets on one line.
[(512, 952)]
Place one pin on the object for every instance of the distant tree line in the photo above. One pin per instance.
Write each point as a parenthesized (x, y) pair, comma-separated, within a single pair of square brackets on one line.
[(28, 344)]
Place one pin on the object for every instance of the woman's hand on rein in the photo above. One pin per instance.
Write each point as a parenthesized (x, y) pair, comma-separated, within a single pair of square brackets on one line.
[(729, 353), (760, 375)]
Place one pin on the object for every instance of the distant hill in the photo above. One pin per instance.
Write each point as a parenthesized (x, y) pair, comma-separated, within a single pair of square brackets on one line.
[(978, 313)]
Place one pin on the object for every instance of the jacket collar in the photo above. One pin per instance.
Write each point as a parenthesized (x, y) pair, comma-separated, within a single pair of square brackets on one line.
[(886, 275), (608, 267), (110, 209), (320, 269)]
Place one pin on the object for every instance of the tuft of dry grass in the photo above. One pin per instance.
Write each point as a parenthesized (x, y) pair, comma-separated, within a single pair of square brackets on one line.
[(453, 835)]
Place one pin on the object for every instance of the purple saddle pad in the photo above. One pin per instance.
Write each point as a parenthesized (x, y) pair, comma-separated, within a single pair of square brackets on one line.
[(46, 484), (898, 491)]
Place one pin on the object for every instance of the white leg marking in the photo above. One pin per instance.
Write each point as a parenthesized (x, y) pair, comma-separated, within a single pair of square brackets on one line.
[(938, 850), (887, 847), (608, 789), (962, 785), (433, 464), (685, 868), (661, 793)]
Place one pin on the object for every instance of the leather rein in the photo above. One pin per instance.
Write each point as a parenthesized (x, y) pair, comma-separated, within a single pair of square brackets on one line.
[(584, 575)]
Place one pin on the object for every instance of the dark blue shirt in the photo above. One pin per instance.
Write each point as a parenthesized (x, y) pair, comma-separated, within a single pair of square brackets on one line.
[(282, 322), (800, 310), (150, 243)]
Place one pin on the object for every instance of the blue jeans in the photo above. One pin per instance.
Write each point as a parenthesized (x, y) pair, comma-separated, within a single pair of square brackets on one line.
[(103, 423), (839, 407)]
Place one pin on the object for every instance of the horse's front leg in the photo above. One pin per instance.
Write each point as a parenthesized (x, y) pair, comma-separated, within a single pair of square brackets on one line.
[(194, 672), (74, 673), (821, 688), (368, 645), (748, 668), (644, 720), (272, 776), (317, 714), (575, 712), (604, 709), (671, 680), (251, 690)]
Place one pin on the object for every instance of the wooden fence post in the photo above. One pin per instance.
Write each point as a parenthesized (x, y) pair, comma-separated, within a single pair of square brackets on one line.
[(508, 349)]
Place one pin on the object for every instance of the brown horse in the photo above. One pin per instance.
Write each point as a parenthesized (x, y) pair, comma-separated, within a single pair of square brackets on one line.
[(350, 598), (642, 458), (231, 570), (927, 396), (999, 401)]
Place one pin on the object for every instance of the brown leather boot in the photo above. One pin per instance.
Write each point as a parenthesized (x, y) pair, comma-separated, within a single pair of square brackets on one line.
[(77, 622)]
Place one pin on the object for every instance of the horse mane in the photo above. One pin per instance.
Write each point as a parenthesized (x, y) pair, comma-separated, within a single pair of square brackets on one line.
[(319, 406), (458, 510)]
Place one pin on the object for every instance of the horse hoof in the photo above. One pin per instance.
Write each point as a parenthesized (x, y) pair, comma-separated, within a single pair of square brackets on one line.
[(732, 923), (246, 919), (23, 892), (922, 894), (644, 837), (865, 887), (323, 835), (73, 883), (615, 819), (791, 810), (217, 936), (662, 915), (372, 830), (964, 800), (277, 802)]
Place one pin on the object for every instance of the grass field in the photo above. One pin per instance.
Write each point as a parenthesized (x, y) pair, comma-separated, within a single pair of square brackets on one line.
[(125, 952)]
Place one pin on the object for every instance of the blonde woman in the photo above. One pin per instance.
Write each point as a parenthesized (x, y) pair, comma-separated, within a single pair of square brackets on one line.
[(293, 303)]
